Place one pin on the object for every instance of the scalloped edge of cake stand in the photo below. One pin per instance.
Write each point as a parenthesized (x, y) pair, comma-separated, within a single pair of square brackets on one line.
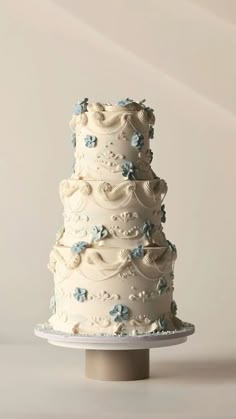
[(105, 342)]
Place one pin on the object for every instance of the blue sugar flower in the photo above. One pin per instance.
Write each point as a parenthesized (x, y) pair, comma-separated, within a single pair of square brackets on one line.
[(90, 141), (147, 229), (163, 213), (120, 313), (151, 132), (128, 169), (73, 139), (79, 247), (99, 232), (80, 294), (162, 324), (173, 308), (162, 286), (137, 252), (80, 107), (124, 102), (137, 140), (147, 108), (172, 246)]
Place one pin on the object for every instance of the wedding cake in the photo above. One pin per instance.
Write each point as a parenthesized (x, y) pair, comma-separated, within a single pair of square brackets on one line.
[(112, 264)]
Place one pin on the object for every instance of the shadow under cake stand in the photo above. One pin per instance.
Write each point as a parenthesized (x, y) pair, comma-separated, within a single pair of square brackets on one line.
[(116, 358)]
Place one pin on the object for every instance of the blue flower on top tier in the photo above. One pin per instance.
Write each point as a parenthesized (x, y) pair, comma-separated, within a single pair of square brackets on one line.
[(80, 294), (163, 213), (172, 246), (148, 109), (137, 140), (73, 139), (173, 308), (90, 141), (148, 228), (128, 169), (80, 107), (79, 247), (151, 132), (120, 313), (124, 102), (137, 252), (99, 232)]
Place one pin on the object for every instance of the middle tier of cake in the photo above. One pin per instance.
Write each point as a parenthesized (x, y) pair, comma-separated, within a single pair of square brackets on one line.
[(124, 215)]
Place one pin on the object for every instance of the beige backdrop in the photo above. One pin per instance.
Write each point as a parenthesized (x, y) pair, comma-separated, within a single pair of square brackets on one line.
[(180, 56)]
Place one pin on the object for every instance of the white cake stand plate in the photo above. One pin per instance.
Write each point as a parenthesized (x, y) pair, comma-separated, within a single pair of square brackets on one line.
[(116, 358)]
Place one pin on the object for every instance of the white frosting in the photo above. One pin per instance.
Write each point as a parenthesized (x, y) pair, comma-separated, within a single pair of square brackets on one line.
[(122, 208), (100, 272), (113, 129), (110, 274)]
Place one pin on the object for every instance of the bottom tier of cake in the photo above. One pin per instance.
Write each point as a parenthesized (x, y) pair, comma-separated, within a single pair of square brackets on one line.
[(113, 291)]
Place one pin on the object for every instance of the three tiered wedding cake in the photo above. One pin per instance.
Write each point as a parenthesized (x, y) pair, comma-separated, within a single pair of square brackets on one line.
[(112, 264)]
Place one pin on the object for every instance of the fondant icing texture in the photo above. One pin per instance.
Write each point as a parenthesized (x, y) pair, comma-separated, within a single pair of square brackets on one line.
[(112, 264), (99, 129)]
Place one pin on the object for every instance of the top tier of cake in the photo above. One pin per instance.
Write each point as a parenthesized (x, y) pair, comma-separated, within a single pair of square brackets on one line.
[(112, 141)]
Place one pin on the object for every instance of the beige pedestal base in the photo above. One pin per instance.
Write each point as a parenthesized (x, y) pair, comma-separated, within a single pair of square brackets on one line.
[(116, 358), (117, 365)]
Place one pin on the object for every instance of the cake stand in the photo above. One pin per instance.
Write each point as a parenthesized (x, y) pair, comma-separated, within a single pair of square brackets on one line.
[(116, 358)]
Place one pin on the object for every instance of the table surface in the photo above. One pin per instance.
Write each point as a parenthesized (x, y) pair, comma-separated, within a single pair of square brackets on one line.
[(42, 381)]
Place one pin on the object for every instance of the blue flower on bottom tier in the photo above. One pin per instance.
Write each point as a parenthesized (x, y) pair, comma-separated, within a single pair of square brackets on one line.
[(80, 107), (163, 213), (128, 169), (79, 247), (173, 308), (148, 228), (162, 325), (137, 140), (80, 294), (124, 102), (90, 141), (137, 252), (99, 232), (120, 313)]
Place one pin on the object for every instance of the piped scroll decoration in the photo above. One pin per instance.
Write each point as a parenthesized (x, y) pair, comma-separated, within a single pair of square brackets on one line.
[(95, 258), (69, 187), (133, 232), (144, 117), (160, 290), (100, 321), (123, 266), (140, 320), (111, 161), (113, 193), (103, 296), (81, 120), (115, 122), (55, 256), (95, 107), (125, 216)]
